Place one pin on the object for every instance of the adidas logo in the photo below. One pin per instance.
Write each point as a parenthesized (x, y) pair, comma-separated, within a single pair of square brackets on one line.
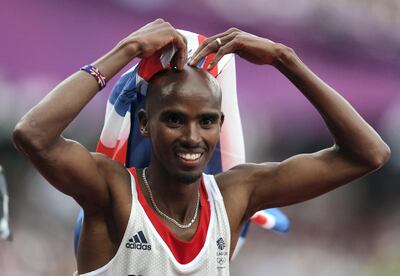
[(138, 241)]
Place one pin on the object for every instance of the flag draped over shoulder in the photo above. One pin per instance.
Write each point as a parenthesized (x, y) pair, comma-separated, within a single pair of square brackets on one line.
[(120, 138)]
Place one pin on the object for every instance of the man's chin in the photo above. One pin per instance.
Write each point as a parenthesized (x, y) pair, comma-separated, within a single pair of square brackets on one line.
[(188, 177)]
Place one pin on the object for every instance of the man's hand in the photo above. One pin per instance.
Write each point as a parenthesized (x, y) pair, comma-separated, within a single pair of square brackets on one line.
[(155, 36), (252, 48)]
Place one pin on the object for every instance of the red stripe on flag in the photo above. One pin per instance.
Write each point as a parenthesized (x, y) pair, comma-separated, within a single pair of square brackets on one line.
[(114, 153), (120, 155), (149, 66), (259, 219), (106, 150)]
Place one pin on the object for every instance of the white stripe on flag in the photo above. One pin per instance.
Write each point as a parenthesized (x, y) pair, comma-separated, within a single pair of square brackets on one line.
[(111, 129), (125, 128), (232, 142), (223, 61), (192, 42)]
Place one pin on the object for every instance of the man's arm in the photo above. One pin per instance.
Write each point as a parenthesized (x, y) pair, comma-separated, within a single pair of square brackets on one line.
[(66, 164), (358, 149)]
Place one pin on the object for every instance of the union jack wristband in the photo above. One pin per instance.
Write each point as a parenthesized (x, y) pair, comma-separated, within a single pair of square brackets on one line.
[(100, 78)]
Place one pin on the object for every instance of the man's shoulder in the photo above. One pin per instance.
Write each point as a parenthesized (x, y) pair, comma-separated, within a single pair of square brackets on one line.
[(104, 162), (244, 173), (111, 170)]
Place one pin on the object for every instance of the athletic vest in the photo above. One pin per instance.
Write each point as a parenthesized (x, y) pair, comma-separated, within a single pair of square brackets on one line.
[(149, 247)]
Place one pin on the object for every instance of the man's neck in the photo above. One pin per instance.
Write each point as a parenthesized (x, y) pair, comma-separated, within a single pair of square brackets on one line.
[(176, 199)]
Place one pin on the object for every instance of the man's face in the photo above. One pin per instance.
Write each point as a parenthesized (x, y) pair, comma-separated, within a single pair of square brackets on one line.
[(183, 122)]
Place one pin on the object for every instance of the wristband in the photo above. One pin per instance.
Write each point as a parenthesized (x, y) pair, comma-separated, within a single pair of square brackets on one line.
[(100, 78)]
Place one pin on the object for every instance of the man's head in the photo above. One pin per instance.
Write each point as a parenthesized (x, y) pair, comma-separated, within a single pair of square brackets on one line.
[(182, 119)]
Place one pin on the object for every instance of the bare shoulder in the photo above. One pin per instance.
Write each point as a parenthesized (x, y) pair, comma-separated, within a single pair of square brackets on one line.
[(116, 178), (109, 168), (236, 186), (241, 175)]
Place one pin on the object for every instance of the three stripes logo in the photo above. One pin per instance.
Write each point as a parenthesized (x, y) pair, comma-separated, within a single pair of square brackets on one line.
[(138, 241)]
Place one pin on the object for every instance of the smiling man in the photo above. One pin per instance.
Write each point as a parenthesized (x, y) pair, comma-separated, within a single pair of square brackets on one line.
[(184, 118), (170, 218)]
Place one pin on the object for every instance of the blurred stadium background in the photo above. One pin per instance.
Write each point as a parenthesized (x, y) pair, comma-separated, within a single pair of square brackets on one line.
[(353, 45)]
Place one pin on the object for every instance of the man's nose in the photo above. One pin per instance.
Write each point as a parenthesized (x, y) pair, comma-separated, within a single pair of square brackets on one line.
[(192, 135)]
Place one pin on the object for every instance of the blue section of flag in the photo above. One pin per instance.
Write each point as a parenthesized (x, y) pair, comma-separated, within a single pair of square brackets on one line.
[(77, 232), (245, 229), (119, 87), (124, 93), (201, 63), (214, 166), (282, 223), (123, 103)]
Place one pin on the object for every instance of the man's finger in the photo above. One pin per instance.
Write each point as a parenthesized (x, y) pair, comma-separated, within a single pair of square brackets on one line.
[(227, 46), (199, 49), (222, 51), (213, 46), (181, 54), (210, 48), (210, 40)]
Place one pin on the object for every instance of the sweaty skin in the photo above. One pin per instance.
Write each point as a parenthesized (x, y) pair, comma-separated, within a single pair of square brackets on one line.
[(183, 119)]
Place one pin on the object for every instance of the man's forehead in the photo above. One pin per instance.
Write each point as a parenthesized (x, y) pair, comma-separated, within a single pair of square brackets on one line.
[(189, 80)]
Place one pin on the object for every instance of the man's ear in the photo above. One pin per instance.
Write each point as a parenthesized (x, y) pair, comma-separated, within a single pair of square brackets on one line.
[(143, 120), (222, 119)]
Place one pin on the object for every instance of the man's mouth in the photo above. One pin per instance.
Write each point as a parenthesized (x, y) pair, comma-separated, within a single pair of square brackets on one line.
[(189, 157)]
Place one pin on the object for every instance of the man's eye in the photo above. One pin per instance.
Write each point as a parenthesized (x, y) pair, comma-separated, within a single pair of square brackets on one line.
[(207, 122), (174, 120)]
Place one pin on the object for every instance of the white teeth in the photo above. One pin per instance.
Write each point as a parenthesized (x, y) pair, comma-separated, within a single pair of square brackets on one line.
[(189, 156)]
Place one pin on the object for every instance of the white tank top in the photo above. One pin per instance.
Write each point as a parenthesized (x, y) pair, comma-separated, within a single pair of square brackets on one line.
[(149, 248)]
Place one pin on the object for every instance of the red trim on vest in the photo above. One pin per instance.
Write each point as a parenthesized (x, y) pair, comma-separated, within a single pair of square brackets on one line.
[(183, 251)]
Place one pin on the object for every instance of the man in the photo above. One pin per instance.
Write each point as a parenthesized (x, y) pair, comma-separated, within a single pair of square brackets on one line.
[(159, 221)]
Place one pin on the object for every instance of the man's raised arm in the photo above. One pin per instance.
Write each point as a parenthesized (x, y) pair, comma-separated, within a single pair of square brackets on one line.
[(66, 164), (358, 149)]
